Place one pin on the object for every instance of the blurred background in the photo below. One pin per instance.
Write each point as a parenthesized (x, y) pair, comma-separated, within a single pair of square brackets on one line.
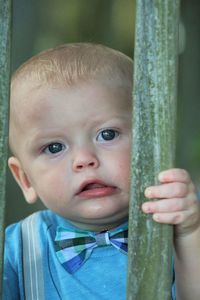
[(38, 25)]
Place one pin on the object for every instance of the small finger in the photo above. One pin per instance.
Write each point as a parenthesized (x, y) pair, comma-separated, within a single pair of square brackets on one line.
[(170, 218), (166, 205), (171, 175), (168, 190)]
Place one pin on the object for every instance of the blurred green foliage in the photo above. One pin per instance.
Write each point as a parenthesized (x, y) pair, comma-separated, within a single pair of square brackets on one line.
[(43, 24), (38, 25)]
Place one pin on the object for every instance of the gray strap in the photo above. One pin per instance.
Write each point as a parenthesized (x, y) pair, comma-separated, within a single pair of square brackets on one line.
[(32, 259)]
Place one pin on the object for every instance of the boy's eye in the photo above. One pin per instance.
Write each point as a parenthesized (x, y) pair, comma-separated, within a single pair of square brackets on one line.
[(107, 135), (54, 148)]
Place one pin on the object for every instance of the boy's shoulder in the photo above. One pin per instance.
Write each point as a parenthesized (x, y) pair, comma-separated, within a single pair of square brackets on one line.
[(34, 226), (15, 228), (38, 222)]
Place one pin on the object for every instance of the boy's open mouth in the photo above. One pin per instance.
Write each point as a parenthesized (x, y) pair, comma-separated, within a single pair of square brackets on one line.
[(95, 188), (92, 186)]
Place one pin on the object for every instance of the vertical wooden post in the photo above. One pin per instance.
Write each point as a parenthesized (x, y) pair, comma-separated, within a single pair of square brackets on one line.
[(5, 49), (153, 144)]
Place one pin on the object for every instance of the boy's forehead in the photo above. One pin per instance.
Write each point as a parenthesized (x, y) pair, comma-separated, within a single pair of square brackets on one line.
[(22, 91), (24, 102), (31, 98), (27, 90)]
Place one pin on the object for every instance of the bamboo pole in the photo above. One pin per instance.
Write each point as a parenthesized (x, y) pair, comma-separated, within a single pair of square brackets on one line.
[(5, 49), (153, 144)]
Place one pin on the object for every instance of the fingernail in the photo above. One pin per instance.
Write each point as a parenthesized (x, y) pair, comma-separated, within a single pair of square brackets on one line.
[(161, 176), (148, 192), (156, 218), (146, 208)]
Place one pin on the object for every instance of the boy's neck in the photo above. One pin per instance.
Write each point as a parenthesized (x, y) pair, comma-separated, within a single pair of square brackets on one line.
[(99, 227)]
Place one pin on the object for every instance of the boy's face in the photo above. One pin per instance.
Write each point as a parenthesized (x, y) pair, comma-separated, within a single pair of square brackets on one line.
[(74, 152)]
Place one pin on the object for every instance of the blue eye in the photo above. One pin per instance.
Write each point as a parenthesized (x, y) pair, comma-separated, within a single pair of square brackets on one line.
[(107, 135), (54, 148)]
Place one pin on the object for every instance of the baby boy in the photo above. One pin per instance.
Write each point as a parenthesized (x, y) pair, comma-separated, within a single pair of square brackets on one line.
[(70, 133)]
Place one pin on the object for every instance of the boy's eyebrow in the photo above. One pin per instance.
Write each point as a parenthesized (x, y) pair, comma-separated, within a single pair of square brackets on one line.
[(59, 132), (46, 133), (121, 117)]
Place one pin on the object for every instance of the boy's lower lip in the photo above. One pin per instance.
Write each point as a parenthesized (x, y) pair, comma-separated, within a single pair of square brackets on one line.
[(98, 192)]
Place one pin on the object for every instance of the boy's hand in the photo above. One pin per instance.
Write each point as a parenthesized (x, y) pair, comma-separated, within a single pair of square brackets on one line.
[(178, 204)]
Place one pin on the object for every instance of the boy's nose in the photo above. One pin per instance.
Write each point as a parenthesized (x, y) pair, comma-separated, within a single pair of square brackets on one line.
[(84, 161)]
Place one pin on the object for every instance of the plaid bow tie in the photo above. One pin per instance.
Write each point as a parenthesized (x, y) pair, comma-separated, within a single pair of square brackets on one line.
[(73, 248)]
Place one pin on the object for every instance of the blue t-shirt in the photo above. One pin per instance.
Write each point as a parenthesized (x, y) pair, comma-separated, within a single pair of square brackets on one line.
[(102, 277)]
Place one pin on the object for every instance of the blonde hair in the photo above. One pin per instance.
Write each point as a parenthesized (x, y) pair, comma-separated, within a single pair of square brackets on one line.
[(70, 63)]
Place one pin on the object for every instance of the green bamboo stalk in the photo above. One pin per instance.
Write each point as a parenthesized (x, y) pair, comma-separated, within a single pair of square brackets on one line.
[(5, 49), (153, 145)]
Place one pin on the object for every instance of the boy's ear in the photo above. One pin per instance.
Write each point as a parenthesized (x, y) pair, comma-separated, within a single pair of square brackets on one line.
[(22, 180)]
